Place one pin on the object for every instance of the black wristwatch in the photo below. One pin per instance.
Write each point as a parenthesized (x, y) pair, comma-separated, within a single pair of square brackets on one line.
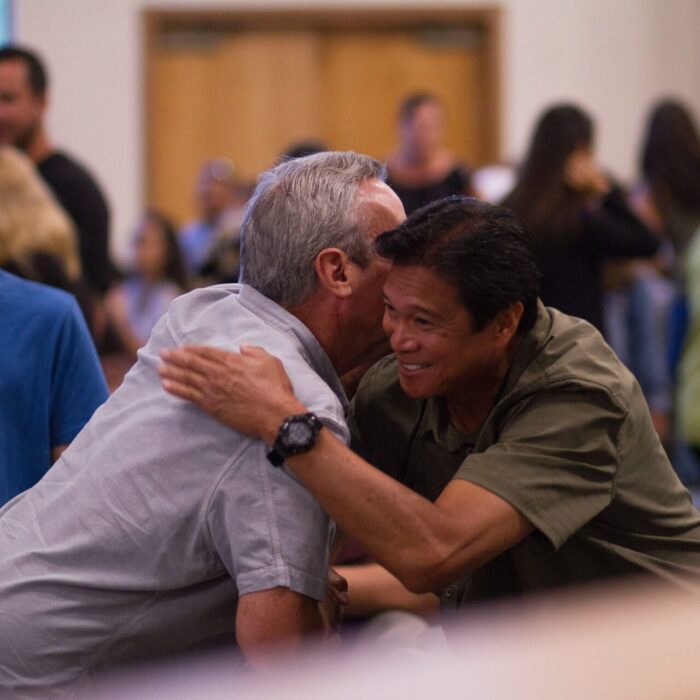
[(297, 434)]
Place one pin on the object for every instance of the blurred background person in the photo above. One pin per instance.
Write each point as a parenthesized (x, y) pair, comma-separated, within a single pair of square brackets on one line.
[(211, 243), (646, 311), (669, 195), (576, 217), (23, 102), (135, 305), (422, 169), (37, 238), (670, 165)]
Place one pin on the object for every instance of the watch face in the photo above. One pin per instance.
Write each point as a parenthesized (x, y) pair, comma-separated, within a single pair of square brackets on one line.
[(299, 433)]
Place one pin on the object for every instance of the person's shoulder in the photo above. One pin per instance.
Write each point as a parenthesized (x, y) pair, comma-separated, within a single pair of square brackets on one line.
[(381, 384), (35, 296), (217, 315), (576, 355), (200, 314), (61, 169), (61, 161)]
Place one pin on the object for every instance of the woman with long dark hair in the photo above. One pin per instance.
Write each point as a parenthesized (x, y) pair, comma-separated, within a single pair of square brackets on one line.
[(577, 219)]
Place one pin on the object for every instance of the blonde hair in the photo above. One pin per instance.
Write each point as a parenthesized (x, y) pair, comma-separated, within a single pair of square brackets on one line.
[(31, 220)]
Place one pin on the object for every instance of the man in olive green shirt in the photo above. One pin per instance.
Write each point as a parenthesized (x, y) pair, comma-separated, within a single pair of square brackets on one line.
[(527, 451), (569, 443)]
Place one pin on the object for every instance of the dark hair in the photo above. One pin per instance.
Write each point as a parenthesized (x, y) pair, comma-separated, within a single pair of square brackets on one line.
[(541, 196), (174, 264), (670, 157), (36, 72), (413, 101), (480, 248)]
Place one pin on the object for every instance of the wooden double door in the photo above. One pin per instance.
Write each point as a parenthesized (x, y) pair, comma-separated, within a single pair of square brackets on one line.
[(249, 92)]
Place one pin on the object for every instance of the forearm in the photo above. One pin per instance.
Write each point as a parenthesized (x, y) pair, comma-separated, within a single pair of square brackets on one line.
[(397, 527), (425, 545), (373, 590), (275, 622)]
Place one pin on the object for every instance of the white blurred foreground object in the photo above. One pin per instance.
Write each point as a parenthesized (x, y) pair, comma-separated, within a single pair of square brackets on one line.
[(493, 182), (612, 642)]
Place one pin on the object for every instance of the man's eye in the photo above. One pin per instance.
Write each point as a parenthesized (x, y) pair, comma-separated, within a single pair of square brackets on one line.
[(420, 321)]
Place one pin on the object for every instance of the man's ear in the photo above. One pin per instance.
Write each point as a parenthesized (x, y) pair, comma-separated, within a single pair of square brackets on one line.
[(506, 323), (332, 271)]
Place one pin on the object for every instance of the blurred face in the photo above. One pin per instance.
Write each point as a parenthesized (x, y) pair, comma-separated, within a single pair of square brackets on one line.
[(21, 110), (431, 333), (423, 133), (151, 250), (213, 196)]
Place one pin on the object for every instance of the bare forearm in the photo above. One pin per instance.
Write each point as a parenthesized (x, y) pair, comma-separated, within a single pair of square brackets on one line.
[(373, 590), (425, 545), (274, 622), (396, 526)]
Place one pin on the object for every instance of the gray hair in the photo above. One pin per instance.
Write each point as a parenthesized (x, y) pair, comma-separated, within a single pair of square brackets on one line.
[(299, 208)]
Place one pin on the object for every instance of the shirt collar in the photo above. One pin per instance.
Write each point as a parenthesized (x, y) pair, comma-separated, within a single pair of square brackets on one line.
[(533, 342), (285, 322), (436, 423)]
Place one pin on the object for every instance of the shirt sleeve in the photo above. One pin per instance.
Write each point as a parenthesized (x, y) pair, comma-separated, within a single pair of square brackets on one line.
[(78, 385), (556, 461), (267, 528)]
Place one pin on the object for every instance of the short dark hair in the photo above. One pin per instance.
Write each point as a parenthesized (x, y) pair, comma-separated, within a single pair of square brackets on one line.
[(413, 101), (36, 71), (480, 248)]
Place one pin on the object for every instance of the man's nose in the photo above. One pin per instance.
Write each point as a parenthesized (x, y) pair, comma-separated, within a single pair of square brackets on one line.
[(401, 338)]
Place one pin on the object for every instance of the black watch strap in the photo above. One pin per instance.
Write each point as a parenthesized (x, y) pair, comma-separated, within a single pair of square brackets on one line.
[(296, 435)]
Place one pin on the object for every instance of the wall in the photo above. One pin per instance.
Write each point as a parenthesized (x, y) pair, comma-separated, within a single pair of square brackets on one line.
[(613, 56)]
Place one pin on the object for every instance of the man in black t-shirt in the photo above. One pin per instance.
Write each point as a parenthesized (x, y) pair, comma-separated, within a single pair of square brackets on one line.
[(23, 100)]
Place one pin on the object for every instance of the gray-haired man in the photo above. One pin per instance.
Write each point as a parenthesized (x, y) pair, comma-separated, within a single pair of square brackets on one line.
[(160, 530)]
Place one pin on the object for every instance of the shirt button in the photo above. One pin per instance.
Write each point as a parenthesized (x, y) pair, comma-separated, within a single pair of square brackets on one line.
[(449, 592)]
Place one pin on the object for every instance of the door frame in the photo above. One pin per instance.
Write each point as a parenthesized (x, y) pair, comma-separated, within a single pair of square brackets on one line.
[(486, 18)]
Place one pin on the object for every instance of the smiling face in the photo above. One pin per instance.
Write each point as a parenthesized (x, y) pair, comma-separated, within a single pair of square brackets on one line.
[(432, 335)]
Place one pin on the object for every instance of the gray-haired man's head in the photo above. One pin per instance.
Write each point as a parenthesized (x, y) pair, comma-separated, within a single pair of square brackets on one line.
[(299, 208)]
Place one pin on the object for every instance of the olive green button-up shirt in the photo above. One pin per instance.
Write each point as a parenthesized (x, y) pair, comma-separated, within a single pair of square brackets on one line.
[(569, 443)]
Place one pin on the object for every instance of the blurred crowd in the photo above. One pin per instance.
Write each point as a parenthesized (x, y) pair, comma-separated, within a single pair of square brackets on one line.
[(623, 256)]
